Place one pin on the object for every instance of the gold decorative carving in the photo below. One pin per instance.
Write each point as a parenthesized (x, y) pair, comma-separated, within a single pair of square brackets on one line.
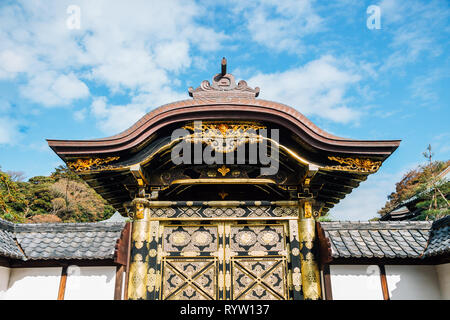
[(227, 280), (259, 278), (355, 165), (187, 274), (189, 279), (297, 279), (211, 174), (223, 170), (152, 253), (86, 164), (224, 136), (308, 210), (151, 279), (223, 195), (221, 280), (139, 211), (309, 267), (157, 280)]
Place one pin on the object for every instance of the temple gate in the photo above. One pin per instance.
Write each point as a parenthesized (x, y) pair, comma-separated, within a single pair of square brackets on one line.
[(238, 222), (242, 250)]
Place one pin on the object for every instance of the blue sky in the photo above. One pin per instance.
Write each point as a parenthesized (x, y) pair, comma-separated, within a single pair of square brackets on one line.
[(129, 57)]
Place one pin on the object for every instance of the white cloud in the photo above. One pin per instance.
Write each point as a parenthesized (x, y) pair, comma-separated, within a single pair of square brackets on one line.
[(54, 89), (281, 25), (120, 117), (115, 118), (318, 88), (9, 131), (417, 30), (11, 63), (135, 50), (173, 55), (5, 106), (80, 115), (423, 86)]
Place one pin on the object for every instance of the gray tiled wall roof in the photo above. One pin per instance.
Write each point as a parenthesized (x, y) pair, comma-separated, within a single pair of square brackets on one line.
[(8, 245), (377, 239), (64, 240), (439, 242)]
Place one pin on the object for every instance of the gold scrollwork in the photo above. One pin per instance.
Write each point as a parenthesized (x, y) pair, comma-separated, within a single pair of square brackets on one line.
[(224, 136), (355, 165), (86, 164)]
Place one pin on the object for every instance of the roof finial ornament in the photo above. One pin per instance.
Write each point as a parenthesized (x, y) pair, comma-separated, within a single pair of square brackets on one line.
[(223, 87), (224, 66)]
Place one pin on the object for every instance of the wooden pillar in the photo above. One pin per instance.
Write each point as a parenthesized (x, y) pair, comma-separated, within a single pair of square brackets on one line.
[(384, 284), (118, 287), (328, 294), (62, 283), (140, 236), (308, 252)]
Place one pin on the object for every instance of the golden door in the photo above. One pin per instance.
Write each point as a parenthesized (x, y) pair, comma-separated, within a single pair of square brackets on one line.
[(257, 260)]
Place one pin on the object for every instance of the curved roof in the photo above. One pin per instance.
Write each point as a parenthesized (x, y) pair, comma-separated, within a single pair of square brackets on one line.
[(230, 108), (110, 164), (224, 99)]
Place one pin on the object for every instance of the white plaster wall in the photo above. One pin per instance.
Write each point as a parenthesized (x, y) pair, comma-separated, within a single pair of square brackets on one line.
[(356, 282), (443, 273), (4, 280), (412, 282), (33, 283), (90, 283)]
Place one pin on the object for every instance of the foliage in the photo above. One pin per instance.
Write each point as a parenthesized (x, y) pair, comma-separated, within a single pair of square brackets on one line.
[(325, 218), (423, 184), (61, 197), (433, 199)]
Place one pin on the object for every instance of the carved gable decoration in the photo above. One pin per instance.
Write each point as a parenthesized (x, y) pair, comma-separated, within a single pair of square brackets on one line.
[(223, 86)]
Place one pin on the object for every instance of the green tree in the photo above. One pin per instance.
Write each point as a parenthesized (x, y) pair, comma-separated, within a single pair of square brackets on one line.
[(431, 193), (12, 201), (63, 196)]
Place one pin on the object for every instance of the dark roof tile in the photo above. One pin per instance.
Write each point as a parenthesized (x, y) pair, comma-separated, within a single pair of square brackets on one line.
[(380, 239), (439, 241), (8, 245), (59, 240)]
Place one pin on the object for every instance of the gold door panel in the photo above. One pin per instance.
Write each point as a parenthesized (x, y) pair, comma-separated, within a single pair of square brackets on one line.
[(223, 260), (189, 279), (259, 279)]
